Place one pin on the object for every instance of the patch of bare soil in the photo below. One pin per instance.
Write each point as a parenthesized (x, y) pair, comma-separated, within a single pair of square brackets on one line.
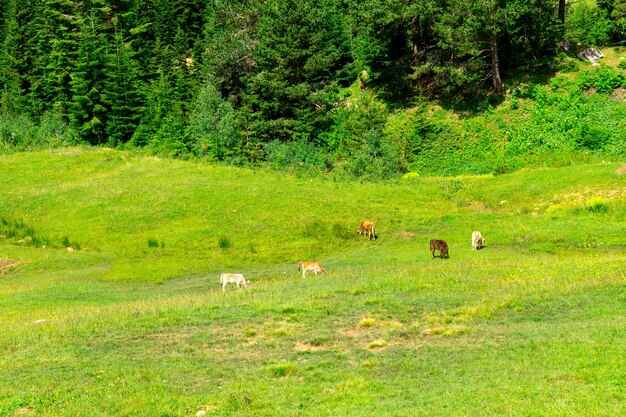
[(6, 264), (619, 94), (307, 347), (405, 234)]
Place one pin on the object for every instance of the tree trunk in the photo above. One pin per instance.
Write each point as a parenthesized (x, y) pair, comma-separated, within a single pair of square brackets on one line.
[(562, 11), (495, 64), (417, 47)]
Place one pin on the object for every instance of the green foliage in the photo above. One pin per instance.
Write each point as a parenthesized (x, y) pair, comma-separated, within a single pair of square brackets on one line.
[(19, 132), (213, 131), (351, 87), (303, 60), (589, 24), (123, 94), (376, 158), (88, 110), (298, 156)]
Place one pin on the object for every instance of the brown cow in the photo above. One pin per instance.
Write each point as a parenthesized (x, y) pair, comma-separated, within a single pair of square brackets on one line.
[(367, 228), (441, 246), (310, 266)]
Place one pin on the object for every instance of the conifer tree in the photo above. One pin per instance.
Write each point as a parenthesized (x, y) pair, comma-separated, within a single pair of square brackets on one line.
[(88, 110), (35, 47), (122, 94), (9, 71), (229, 44), (303, 57), (63, 22)]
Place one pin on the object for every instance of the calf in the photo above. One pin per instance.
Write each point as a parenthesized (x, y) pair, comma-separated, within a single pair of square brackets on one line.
[(367, 228), (310, 266), (477, 240), (441, 246), (237, 279)]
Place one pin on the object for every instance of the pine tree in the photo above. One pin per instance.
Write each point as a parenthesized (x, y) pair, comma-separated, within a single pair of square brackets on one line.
[(302, 58), (122, 93), (229, 44), (63, 23), (35, 47), (9, 71), (88, 110)]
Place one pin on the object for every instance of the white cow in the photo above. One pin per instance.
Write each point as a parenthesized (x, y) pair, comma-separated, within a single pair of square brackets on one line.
[(477, 240), (237, 279)]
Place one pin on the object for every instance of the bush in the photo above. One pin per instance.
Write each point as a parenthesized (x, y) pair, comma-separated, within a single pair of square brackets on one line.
[(596, 205), (591, 137), (213, 130), (377, 159), (295, 156), (19, 132)]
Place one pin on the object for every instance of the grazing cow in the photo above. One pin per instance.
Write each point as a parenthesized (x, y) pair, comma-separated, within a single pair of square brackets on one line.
[(310, 266), (441, 246), (237, 279), (367, 228), (477, 240)]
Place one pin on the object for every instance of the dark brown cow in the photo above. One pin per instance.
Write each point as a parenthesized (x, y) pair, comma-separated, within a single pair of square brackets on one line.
[(441, 246)]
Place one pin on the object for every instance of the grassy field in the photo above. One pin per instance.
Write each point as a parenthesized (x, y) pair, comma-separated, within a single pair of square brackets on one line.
[(131, 320)]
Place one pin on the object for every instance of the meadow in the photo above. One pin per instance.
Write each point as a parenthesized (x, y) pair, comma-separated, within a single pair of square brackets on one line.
[(110, 303)]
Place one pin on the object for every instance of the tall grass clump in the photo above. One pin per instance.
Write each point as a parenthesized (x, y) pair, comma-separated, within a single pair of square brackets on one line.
[(154, 243), (596, 205), (21, 232), (224, 242)]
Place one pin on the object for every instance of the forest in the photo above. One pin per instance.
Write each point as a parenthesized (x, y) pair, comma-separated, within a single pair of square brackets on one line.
[(341, 86)]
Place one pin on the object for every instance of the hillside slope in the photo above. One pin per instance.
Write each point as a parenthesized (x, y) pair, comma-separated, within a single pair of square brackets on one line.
[(131, 320)]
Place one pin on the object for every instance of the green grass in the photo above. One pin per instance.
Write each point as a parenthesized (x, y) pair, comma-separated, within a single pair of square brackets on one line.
[(136, 323)]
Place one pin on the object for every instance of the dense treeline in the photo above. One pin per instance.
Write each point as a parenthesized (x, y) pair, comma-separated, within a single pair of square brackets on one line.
[(310, 82)]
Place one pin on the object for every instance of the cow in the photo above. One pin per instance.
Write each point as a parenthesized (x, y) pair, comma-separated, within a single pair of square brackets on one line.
[(441, 246), (237, 279), (367, 228), (310, 266), (478, 241)]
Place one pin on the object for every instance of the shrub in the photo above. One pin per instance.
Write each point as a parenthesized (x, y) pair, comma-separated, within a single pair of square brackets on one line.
[(375, 159), (591, 137), (19, 132), (213, 130), (596, 205), (297, 156)]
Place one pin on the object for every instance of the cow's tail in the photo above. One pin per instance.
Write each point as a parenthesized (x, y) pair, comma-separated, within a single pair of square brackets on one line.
[(373, 230), (300, 267)]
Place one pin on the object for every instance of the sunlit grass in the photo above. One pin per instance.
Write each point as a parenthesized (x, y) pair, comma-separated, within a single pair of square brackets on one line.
[(134, 322)]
